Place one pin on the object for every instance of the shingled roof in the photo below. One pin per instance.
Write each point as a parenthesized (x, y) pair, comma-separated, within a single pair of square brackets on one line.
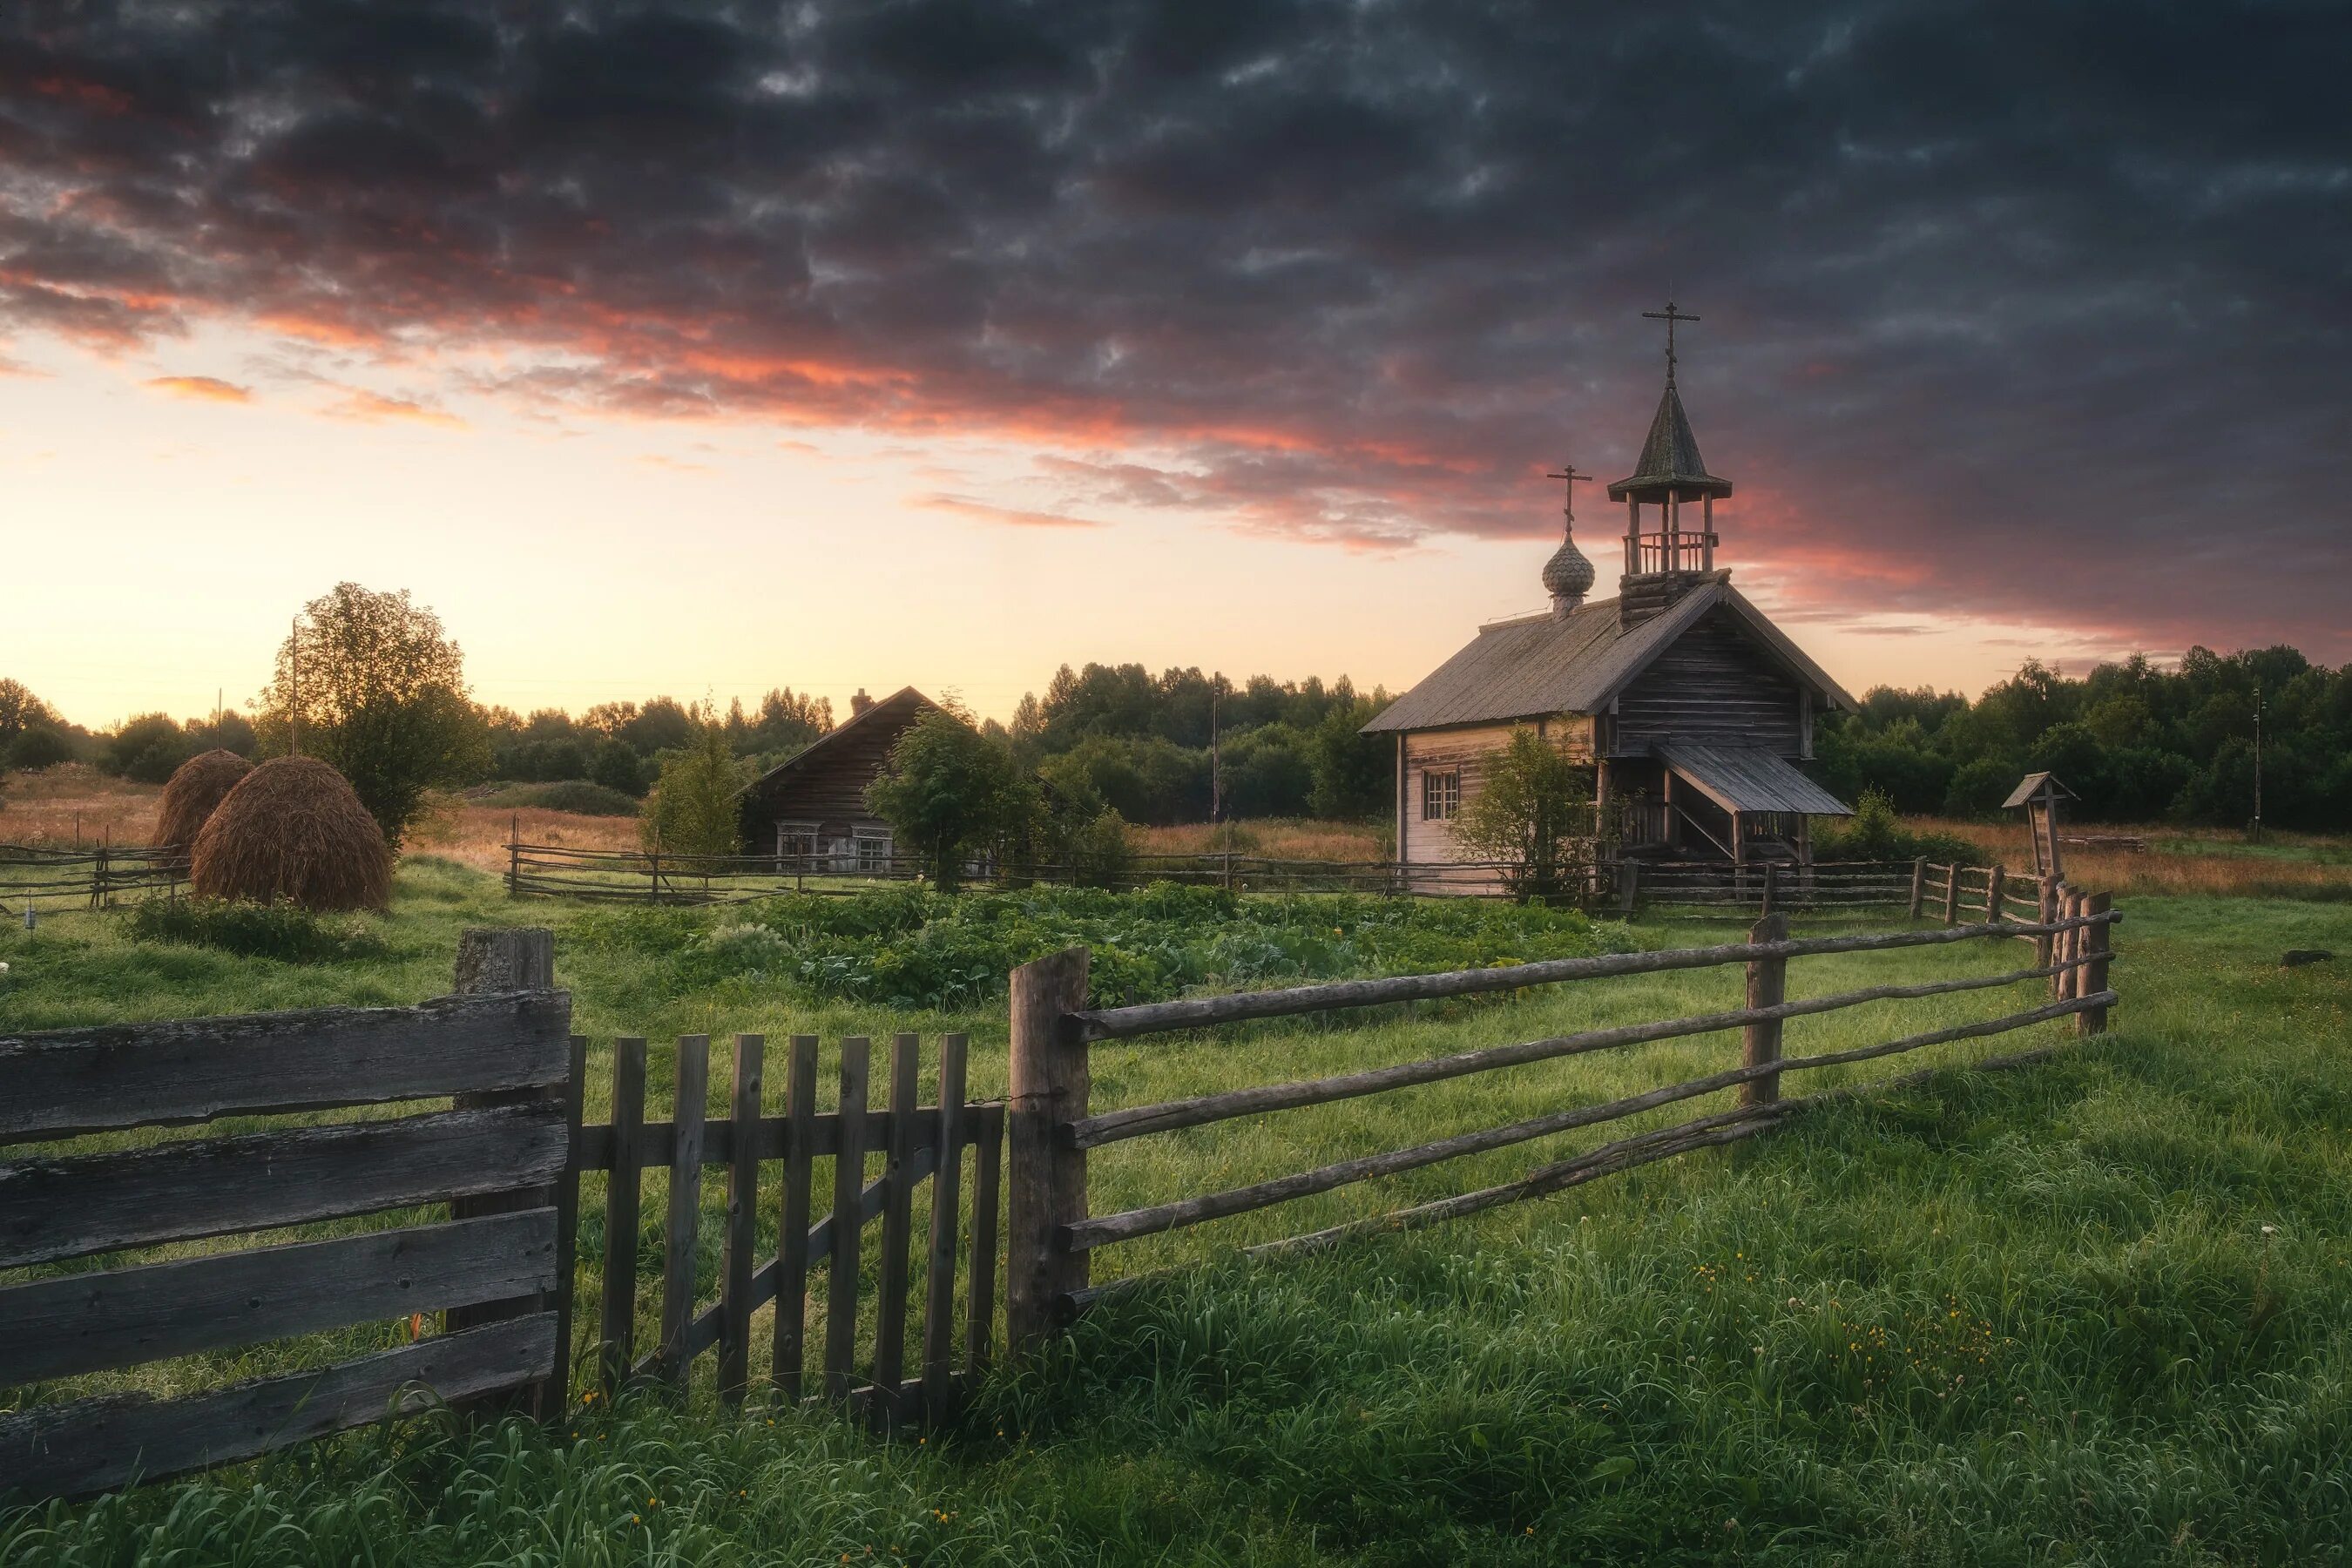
[(1541, 665), (1670, 462)]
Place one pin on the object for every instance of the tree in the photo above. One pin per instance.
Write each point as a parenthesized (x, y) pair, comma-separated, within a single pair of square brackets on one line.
[(148, 748), (1532, 811), (948, 792), (692, 810), (21, 711), (379, 690)]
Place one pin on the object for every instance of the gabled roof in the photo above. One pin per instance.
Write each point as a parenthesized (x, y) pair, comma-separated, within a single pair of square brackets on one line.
[(1539, 665), (905, 701), (1670, 461), (2032, 783), (1749, 778)]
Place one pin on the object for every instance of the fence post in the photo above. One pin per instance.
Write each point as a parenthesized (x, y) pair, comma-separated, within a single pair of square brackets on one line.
[(1771, 874), (1993, 881), (1919, 885), (2045, 910), (492, 959), (514, 854), (2093, 973), (1045, 1179), (1768, 986), (1630, 878)]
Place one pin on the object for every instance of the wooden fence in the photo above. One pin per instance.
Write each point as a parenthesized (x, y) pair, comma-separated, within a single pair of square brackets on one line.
[(1053, 1233), (916, 1143), (507, 1157), (60, 1205), (39, 876), (509, 1154)]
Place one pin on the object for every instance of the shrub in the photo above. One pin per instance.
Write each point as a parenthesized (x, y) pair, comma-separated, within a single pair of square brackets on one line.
[(1876, 833), (281, 930), (578, 796), (1098, 852), (692, 810)]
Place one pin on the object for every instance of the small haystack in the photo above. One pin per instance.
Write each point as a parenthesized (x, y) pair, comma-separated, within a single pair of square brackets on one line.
[(293, 829), (198, 788)]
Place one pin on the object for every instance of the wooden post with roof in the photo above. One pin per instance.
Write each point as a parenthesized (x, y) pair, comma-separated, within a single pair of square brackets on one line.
[(2040, 793)]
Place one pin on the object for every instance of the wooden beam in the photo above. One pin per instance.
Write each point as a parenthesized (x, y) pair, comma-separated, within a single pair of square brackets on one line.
[(1200, 1012), (73, 1081), (59, 1208), (77, 1323), (104, 1443)]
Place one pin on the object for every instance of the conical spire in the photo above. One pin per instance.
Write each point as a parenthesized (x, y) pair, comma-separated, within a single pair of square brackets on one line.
[(1670, 466)]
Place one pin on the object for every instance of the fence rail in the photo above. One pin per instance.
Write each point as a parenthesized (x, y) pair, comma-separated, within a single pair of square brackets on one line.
[(32, 873), (1055, 1231)]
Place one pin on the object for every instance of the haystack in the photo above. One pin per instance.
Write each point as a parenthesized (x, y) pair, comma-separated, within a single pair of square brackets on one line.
[(292, 830), (196, 788)]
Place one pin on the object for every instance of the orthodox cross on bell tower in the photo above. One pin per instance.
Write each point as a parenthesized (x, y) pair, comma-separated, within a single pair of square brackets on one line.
[(1670, 316), (1568, 575)]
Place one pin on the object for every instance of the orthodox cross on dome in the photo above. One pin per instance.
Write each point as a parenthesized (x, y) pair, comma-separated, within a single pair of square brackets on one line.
[(1569, 474), (1670, 316), (1568, 575)]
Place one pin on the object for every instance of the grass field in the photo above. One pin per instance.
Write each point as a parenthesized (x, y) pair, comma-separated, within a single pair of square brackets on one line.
[(2096, 1310)]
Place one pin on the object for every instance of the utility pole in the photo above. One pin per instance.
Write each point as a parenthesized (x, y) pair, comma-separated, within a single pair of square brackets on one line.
[(294, 691), (2258, 764), (1216, 755)]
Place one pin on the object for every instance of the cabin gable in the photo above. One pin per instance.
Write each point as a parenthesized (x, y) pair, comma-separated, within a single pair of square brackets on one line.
[(1718, 685)]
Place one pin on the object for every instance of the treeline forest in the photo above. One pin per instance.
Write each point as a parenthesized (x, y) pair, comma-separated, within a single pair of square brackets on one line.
[(2137, 743)]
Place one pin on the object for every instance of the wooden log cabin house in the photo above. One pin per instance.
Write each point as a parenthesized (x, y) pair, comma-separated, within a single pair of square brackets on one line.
[(1693, 708), (809, 810)]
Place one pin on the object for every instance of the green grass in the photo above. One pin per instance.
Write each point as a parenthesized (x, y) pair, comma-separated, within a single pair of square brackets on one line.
[(2032, 1317)]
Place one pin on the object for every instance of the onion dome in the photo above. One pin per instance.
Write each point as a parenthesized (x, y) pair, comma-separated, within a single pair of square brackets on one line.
[(1568, 575)]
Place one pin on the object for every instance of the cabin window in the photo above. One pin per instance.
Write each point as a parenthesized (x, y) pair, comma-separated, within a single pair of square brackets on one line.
[(1440, 794), (873, 847), (796, 842)]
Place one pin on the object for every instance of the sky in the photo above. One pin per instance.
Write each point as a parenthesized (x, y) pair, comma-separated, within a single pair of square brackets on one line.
[(702, 349)]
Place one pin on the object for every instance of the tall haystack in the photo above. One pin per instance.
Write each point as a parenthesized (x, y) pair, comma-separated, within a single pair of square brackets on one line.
[(195, 790), (292, 830)]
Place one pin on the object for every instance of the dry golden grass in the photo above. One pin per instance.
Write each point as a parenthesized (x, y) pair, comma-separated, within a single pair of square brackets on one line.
[(1279, 839), (477, 835), (2211, 862), (73, 802)]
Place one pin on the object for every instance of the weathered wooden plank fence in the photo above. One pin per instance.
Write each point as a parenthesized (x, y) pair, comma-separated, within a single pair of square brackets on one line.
[(1053, 1234), (62, 1204)]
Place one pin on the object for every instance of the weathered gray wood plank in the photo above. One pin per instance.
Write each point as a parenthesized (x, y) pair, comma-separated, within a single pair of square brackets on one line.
[(897, 1214), (770, 1138), (98, 1445), (91, 1323), (624, 1194), (849, 1185), (53, 1209), (792, 1262), (742, 1223), (940, 1261), (680, 1232), (70, 1082)]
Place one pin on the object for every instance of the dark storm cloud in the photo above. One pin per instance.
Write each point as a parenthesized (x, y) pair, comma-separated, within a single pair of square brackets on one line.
[(2011, 309)]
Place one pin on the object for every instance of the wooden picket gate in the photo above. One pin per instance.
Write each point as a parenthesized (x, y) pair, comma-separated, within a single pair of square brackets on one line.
[(915, 1142)]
